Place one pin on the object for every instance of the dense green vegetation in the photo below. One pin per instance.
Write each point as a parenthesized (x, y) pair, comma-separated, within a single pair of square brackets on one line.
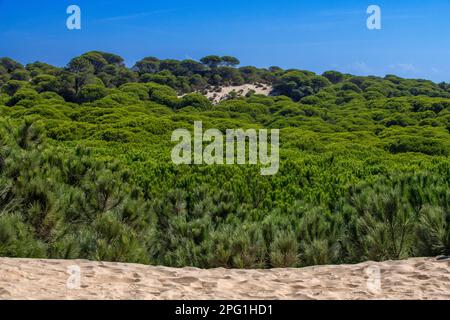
[(85, 168)]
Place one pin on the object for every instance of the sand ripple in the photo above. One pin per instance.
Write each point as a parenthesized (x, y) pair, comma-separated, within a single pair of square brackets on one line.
[(421, 278)]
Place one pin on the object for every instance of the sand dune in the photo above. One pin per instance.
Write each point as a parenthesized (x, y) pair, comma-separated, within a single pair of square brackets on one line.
[(222, 93), (58, 279)]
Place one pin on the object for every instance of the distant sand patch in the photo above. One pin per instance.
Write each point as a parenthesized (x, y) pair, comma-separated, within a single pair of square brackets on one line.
[(421, 278), (218, 94)]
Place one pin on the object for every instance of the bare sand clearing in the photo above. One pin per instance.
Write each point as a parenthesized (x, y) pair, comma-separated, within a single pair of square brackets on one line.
[(218, 94), (50, 279)]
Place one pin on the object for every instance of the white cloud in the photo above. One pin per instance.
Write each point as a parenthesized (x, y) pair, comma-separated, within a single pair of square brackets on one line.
[(135, 16), (403, 67), (360, 67), (435, 70)]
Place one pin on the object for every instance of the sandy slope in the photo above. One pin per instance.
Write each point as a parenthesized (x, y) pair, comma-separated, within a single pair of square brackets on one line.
[(48, 279), (217, 95)]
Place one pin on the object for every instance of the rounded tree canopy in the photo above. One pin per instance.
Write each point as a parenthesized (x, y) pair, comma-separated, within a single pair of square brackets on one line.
[(230, 61), (211, 61)]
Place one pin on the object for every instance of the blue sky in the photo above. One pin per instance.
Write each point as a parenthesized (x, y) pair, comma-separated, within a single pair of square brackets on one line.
[(312, 35)]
